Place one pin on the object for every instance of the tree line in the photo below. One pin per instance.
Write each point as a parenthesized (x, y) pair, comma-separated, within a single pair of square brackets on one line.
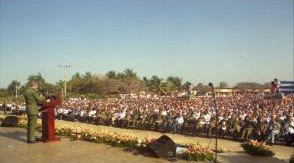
[(113, 83)]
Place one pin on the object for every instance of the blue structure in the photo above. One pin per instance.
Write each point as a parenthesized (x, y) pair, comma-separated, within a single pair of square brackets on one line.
[(286, 87)]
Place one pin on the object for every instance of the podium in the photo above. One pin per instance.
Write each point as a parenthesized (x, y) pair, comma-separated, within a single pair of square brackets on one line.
[(48, 124)]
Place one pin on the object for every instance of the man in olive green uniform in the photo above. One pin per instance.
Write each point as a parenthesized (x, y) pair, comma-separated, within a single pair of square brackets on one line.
[(158, 121), (200, 124), (211, 126), (143, 120), (32, 99), (136, 118), (128, 119), (236, 127), (248, 127)]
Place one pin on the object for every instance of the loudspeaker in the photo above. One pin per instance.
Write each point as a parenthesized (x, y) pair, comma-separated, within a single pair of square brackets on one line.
[(10, 121), (291, 159), (164, 147)]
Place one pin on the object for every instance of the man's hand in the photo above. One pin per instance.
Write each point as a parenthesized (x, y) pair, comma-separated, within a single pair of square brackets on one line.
[(45, 110), (48, 100)]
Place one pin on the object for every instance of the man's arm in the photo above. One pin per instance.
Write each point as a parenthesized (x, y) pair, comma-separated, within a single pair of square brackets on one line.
[(39, 98)]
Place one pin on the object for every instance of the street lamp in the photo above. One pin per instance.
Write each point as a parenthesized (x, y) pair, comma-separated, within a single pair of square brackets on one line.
[(65, 67), (16, 88)]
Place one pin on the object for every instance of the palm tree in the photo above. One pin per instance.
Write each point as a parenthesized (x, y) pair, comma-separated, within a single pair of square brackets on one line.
[(111, 75), (129, 73), (13, 87), (175, 83)]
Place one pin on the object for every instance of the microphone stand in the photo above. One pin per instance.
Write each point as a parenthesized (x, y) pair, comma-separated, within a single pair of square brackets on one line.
[(216, 122)]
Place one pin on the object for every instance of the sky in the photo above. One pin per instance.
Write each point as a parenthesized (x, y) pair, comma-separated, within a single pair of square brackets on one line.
[(200, 41)]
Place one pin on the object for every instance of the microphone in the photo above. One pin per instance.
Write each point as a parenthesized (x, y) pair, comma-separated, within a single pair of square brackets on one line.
[(216, 122)]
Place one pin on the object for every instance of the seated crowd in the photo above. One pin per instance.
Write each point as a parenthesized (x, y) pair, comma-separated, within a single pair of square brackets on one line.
[(240, 117), (13, 107)]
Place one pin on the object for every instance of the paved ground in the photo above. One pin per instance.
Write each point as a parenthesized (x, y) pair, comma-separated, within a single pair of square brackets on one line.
[(13, 148)]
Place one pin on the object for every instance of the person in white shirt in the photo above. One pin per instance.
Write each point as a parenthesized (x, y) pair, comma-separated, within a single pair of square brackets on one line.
[(275, 127), (59, 113), (179, 121), (122, 115), (91, 115), (207, 118), (164, 113), (196, 115), (82, 113)]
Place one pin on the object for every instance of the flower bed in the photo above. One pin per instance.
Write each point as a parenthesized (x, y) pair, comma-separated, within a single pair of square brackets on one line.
[(148, 140), (196, 152), (107, 137), (22, 122), (2, 117), (255, 148)]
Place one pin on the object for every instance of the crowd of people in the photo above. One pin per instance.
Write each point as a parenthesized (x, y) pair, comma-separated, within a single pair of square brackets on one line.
[(12, 107), (240, 117)]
